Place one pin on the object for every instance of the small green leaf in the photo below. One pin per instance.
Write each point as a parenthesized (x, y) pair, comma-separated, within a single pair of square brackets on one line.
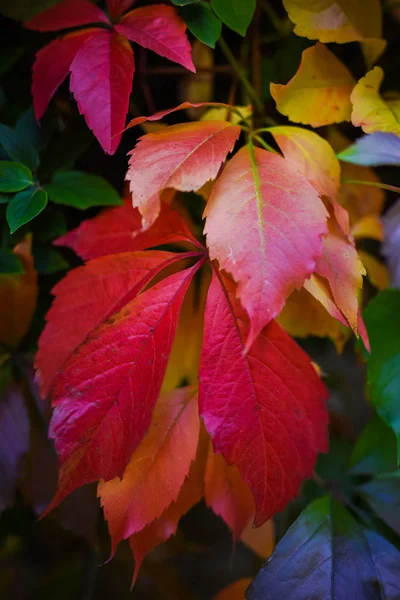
[(14, 177), (202, 22), (18, 148), (375, 449), (24, 207), (81, 190), (236, 14), (10, 262), (48, 261)]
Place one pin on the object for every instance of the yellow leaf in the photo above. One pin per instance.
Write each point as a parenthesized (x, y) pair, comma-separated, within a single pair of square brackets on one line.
[(372, 50), (18, 296), (319, 93), (376, 271), (370, 227), (370, 110), (335, 20)]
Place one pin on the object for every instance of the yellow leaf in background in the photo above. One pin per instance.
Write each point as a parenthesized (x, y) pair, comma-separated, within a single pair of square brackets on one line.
[(260, 539), (18, 296), (319, 93), (235, 591), (370, 110), (370, 227), (335, 20), (376, 271), (223, 114), (199, 87), (372, 50)]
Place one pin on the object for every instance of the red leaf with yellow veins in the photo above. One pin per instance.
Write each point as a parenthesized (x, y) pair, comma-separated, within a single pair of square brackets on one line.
[(227, 494), (101, 81), (118, 229), (319, 93), (161, 462), (265, 410), (183, 157), (264, 223), (94, 292), (106, 393), (67, 14)]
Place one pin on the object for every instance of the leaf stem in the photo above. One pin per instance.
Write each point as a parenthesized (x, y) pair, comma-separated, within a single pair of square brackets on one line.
[(382, 186)]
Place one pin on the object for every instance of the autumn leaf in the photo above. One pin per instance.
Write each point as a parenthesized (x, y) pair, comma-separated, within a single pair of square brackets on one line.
[(261, 540), (105, 395), (183, 157), (373, 150), (67, 14), (161, 462), (319, 93), (335, 20), (258, 234), (272, 423), (370, 110), (235, 591)]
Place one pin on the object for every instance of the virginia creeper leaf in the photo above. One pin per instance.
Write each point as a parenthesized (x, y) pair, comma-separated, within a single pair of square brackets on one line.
[(25, 206), (202, 22), (118, 230), (183, 106), (258, 234), (101, 81), (52, 66), (335, 20), (66, 14), (265, 409), (235, 14), (18, 148), (14, 177), (94, 292), (161, 462), (319, 93), (260, 540), (81, 190), (159, 28), (375, 449), (373, 150), (183, 157), (330, 556), (106, 393)]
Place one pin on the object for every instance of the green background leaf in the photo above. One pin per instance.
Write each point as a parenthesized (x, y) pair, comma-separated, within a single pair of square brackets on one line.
[(18, 148), (10, 262), (202, 22), (236, 14), (14, 177), (24, 207), (81, 190)]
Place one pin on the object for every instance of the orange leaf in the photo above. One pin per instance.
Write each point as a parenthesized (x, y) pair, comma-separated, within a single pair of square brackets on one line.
[(18, 295), (376, 271), (335, 20), (319, 93), (260, 539), (370, 110), (235, 591), (183, 157), (157, 470), (370, 227), (227, 494)]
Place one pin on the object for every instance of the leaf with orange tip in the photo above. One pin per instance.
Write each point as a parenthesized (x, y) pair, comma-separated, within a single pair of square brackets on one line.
[(337, 21), (183, 157), (227, 494), (319, 93), (161, 529), (256, 232), (161, 462), (18, 296), (234, 591), (370, 110), (261, 540)]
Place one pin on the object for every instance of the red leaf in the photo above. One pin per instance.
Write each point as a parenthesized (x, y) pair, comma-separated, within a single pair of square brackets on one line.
[(107, 390), (264, 410), (117, 230), (163, 113), (117, 7), (92, 294), (183, 157), (52, 66), (158, 28), (161, 462), (66, 14), (264, 226), (101, 81), (227, 494)]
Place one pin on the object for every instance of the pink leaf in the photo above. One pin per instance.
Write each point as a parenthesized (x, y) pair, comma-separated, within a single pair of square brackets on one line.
[(264, 410), (107, 390), (66, 14), (52, 66), (163, 113), (101, 81), (158, 28)]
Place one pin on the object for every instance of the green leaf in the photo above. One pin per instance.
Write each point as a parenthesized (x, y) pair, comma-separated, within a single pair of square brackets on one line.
[(184, 2), (327, 554), (24, 207), (10, 262), (81, 190), (382, 319), (202, 22), (236, 14), (383, 495), (18, 148), (14, 177), (375, 449), (27, 128), (48, 261)]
